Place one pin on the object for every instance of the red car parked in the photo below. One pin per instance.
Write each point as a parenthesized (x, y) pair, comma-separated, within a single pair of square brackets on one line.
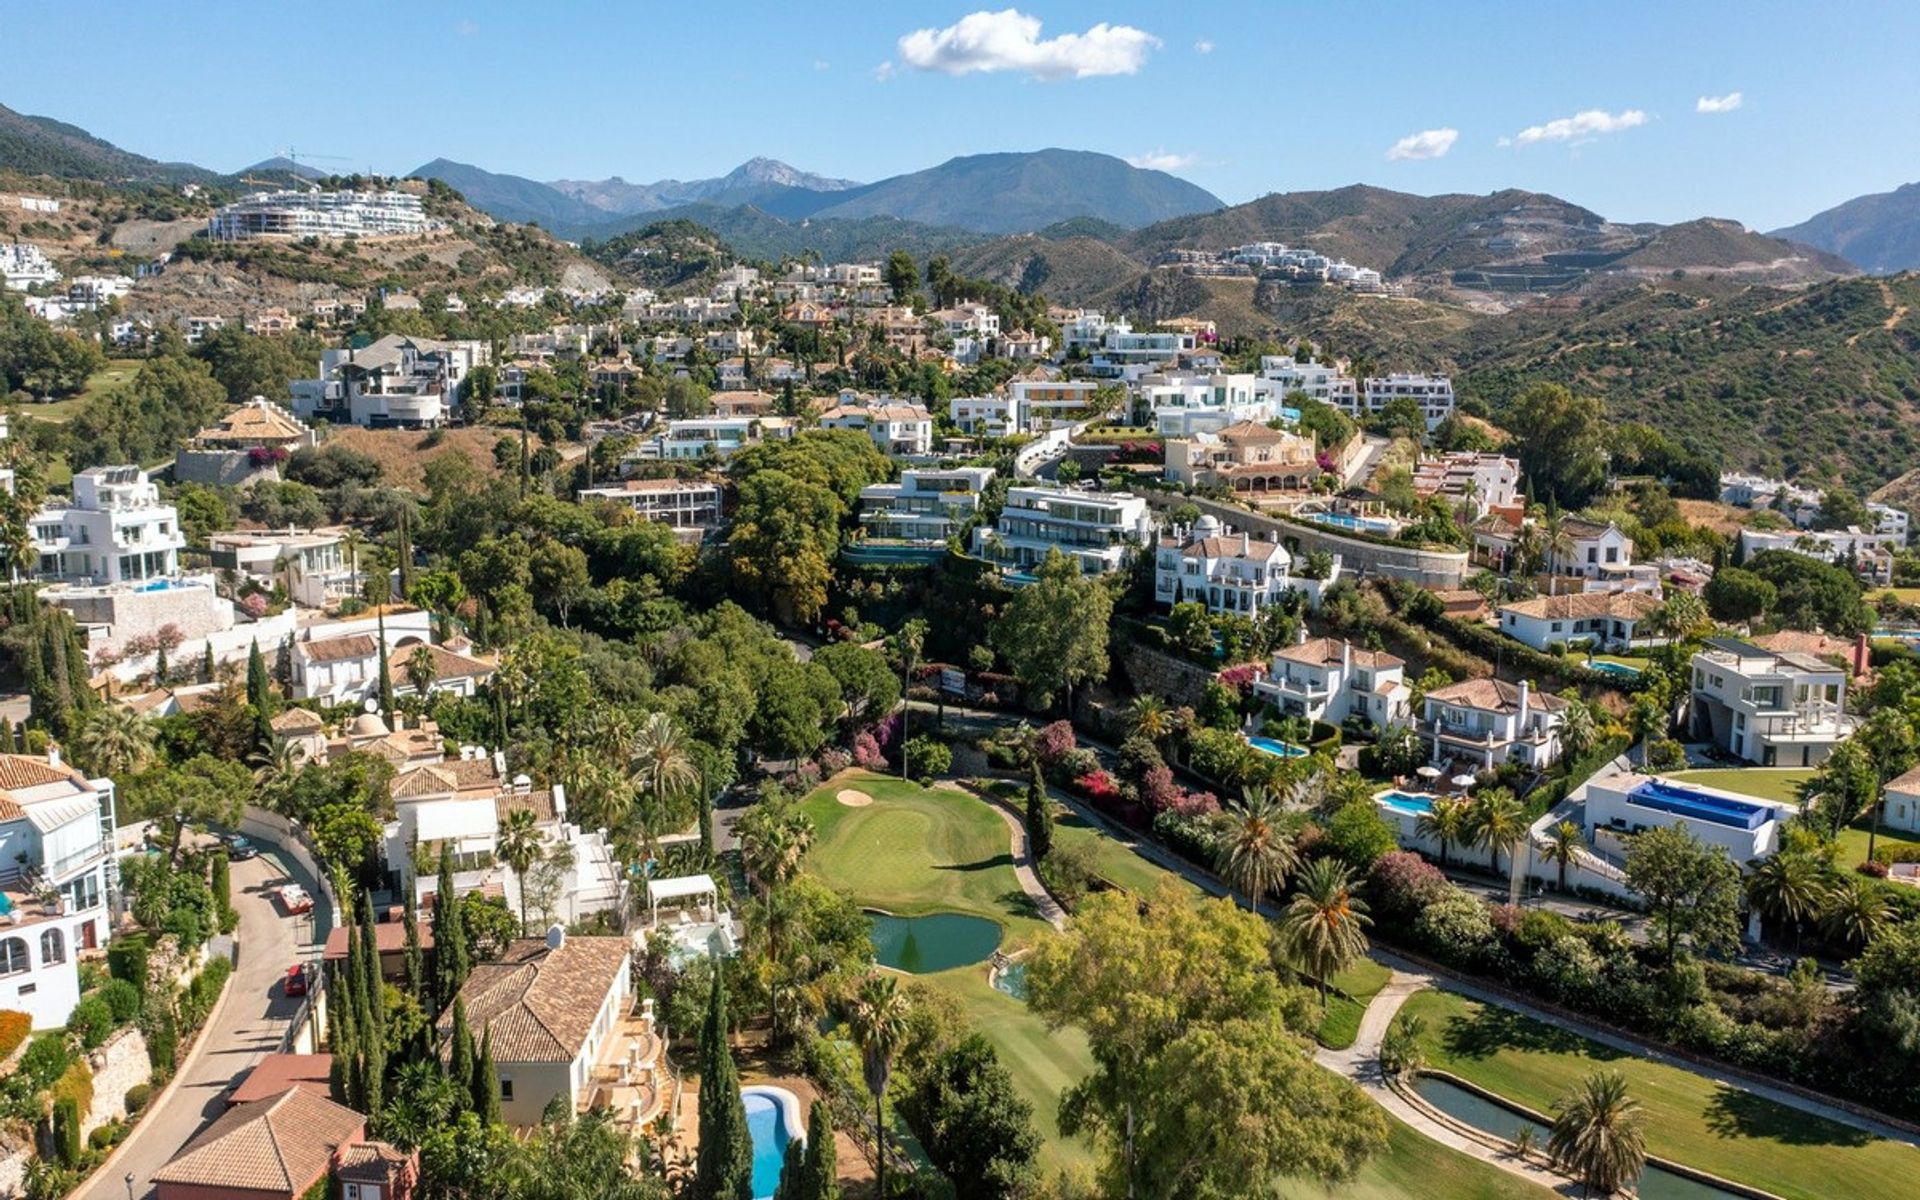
[(296, 984)]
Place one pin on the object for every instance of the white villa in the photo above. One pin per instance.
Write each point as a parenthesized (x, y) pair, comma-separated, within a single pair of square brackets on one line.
[(1771, 708), (1318, 381), (1486, 480), (1593, 550), (408, 382), (1487, 722), (1326, 679), (56, 839), (114, 530), (1100, 529), (1599, 620), (719, 437), (926, 507), (1433, 393), (1229, 573), (898, 429), (1901, 808), (1619, 806), (690, 505)]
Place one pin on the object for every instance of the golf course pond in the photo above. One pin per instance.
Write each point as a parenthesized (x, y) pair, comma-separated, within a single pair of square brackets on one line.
[(933, 942)]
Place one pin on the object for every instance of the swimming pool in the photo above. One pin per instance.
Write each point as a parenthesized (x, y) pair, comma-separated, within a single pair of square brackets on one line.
[(1613, 668), (1412, 803), (1359, 524), (934, 942), (773, 1120), (1664, 796), (1276, 747)]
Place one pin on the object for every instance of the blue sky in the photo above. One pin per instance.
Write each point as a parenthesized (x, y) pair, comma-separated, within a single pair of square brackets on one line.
[(1597, 103)]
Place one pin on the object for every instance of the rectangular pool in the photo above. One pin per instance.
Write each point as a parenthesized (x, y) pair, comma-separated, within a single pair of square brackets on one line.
[(1276, 747), (1665, 796)]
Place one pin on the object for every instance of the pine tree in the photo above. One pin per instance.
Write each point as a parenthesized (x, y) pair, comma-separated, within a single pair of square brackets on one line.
[(486, 1083), (1039, 817), (821, 1179), (723, 1169), (386, 673), (259, 695), (449, 937)]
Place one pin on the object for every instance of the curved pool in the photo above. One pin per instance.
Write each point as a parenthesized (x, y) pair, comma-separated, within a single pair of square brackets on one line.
[(773, 1120), (934, 942)]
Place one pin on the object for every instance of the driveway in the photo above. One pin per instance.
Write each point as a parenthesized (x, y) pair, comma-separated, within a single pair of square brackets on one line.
[(250, 1022)]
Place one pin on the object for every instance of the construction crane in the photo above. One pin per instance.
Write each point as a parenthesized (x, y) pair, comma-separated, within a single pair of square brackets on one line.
[(294, 156)]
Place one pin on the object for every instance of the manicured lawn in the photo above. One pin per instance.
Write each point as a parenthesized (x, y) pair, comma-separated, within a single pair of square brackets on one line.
[(1361, 982), (1767, 783), (1853, 841), (1905, 595), (1415, 1166), (1692, 1120), (1112, 860)]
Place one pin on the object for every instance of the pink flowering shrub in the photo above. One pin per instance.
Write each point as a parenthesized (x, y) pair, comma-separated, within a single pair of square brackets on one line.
[(1158, 791), (255, 604), (1196, 804), (866, 751), (1099, 786), (833, 760), (1239, 678), (1055, 742), (1404, 883)]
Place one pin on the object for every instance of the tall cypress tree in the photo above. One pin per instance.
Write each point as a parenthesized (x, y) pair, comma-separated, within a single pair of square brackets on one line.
[(821, 1179), (792, 1170), (207, 666), (486, 1083), (386, 673), (283, 664), (416, 957), (723, 1169), (460, 1056), (449, 937), (403, 550), (259, 695), (1039, 817)]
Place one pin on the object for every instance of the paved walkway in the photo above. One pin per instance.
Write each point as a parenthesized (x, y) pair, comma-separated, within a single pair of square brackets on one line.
[(1044, 904)]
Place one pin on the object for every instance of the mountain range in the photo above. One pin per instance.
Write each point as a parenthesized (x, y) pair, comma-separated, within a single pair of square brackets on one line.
[(1880, 233), (44, 146), (621, 198)]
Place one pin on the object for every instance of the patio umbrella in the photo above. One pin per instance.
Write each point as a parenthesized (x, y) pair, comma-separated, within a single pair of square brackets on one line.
[(1428, 772), (1462, 781)]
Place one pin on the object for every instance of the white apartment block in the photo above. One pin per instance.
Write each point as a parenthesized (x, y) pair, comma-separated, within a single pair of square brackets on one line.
[(319, 214), (1081, 329), (718, 437), (114, 530), (925, 508), (411, 383), (1125, 352), (1319, 381), (24, 265), (1177, 405), (898, 429), (1326, 679), (683, 504), (1100, 529), (1771, 708), (56, 840), (1433, 393), (1486, 480), (1483, 723)]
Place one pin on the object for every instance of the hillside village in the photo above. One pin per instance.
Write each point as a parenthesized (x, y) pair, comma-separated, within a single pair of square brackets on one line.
[(492, 715)]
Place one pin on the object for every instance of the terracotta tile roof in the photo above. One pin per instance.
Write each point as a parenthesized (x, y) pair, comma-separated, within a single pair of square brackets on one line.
[(28, 771), (1252, 431), (539, 802), (297, 720), (389, 937), (1624, 606), (280, 1145), (446, 663), (1328, 652), (1229, 547), (453, 775), (277, 1072), (538, 1002), (1575, 527), (374, 1162), (339, 649), (1494, 695), (1908, 783), (253, 423)]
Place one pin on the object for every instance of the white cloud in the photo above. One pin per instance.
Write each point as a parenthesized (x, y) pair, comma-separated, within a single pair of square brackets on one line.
[(1719, 104), (1428, 143), (466, 28), (1010, 40), (1203, 46), (1162, 160), (883, 72), (1582, 125)]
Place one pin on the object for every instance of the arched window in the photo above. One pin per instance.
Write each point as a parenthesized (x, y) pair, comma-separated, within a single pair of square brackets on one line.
[(13, 956), (53, 948)]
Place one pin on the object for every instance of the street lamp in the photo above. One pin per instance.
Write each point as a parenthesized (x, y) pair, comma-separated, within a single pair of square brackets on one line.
[(129, 1185)]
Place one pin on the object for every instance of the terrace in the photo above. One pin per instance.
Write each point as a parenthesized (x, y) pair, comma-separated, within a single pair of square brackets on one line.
[(631, 1076)]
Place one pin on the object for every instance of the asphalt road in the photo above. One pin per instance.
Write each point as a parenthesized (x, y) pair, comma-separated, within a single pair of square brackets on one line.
[(250, 1021)]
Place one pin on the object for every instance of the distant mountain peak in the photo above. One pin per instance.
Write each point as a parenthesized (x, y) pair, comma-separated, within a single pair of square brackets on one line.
[(764, 171), (1878, 233)]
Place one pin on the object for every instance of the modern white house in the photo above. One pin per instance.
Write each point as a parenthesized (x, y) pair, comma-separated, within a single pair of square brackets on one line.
[(1318, 381), (1620, 806), (310, 563), (692, 506), (1592, 551), (1230, 573), (1486, 481), (1433, 393), (1771, 708), (1868, 553), (1606, 621), (925, 508), (1486, 722), (1100, 529), (24, 265), (992, 415), (1181, 405), (552, 1007), (56, 841), (289, 215), (397, 381), (113, 531), (1040, 404), (1123, 351), (1328, 679), (717, 437)]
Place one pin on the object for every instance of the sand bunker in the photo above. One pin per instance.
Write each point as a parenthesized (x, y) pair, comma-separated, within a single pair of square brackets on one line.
[(854, 799)]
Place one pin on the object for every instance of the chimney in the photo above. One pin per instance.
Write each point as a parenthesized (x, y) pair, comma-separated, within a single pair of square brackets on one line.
[(1523, 706), (1346, 658), (499, 762), (53, 754), (560, 803), (1246, 543), (1862, 655)]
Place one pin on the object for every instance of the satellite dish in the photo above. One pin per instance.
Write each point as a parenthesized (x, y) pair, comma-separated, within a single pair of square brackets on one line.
[(370, 705)]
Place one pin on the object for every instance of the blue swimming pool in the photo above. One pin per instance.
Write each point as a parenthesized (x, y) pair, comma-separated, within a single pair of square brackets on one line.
[(1276, 747), (1406, 802), (1349, 521), (1613, 668), (772, 1114), (1662, 795)]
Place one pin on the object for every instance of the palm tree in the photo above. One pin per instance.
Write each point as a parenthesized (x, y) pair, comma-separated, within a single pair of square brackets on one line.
[(274, 766), (1788, 888), (351, 541), (1344, 788), (877, 1019), (1683, 615), (1577, 731), (518, 846), (1150, 717), (662, 765), (113, 741), (1256, 854), (421, 671), (1596, 1134), (1324, 926), (1400, 1051), (1496, 822), (1446, 822), (1855, 911), (1562, 847), (774, 839)]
